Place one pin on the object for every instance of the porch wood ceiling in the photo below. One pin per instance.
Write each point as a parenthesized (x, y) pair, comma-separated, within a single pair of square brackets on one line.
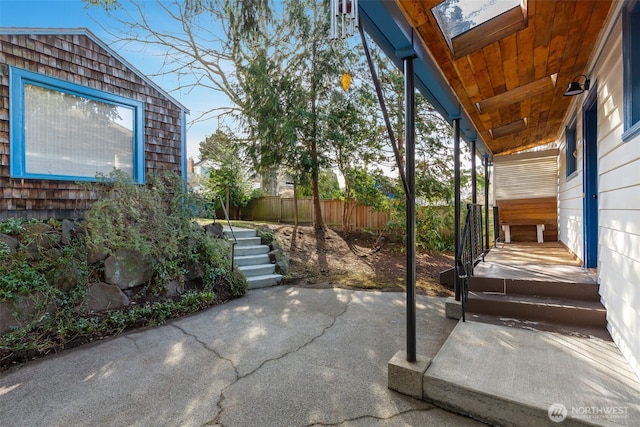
[(512, 87)]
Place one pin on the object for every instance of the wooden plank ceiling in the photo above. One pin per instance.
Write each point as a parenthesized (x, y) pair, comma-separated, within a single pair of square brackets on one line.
[(512, 87)]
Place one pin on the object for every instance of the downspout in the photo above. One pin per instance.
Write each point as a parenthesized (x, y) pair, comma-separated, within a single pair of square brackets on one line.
[(456, 204), (183, 143)]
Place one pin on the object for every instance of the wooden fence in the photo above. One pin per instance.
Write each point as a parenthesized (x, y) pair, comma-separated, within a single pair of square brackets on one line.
[(278, 209)]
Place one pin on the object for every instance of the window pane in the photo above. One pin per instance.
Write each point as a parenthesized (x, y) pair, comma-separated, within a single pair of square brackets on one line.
[(75, 136), (458, 16)]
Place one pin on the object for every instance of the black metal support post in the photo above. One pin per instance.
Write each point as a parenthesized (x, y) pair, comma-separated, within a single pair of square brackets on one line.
[(486, 203), (474, 174), (410, 165), (456, 183)]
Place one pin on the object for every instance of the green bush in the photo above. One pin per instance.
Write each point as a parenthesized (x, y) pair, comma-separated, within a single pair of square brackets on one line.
[(156, 220), (434, 225)]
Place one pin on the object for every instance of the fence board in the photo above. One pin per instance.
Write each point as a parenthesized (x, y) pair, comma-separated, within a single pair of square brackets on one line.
[(278, 209)]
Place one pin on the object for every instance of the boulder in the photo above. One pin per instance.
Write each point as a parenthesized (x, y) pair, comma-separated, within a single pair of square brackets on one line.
[(265, 234), (96, 254), (39, 237), (281, 260), (127, 268), (35, 229), (11, 242), (195, 270), (21, 313), (68, 278), (102, 296), (173, 288), (214, 230), (72, 229)]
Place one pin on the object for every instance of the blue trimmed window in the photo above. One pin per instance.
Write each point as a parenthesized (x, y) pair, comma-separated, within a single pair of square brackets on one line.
[(65, 131), (631, 61), (571, 154)]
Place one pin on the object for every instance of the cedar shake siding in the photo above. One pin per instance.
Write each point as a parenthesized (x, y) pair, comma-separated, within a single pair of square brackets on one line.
[(77, 57)]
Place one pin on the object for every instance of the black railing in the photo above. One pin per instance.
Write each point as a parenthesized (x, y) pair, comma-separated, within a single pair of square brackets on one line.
[(470, 252), (235, 241)]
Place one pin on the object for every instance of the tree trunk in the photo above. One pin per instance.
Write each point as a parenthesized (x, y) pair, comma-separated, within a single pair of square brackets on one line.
[(270, 182), (295, 204), (318, 222)]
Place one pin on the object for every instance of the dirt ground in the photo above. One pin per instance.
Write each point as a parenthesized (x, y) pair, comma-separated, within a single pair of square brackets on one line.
[(358, 260)]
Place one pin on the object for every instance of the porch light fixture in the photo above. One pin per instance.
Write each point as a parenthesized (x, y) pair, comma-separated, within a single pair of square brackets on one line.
[(344, 18), (575, 88)]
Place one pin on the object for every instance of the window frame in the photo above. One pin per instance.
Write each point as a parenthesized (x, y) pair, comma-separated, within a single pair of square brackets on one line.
[(571, 140), (631, 70), (19, 77)]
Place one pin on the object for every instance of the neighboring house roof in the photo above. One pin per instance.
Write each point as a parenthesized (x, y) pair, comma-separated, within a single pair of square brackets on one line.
[(87, 33)]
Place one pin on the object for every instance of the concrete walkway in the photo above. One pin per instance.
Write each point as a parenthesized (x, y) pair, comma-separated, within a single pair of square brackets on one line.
[(510, 376), (280, 356)]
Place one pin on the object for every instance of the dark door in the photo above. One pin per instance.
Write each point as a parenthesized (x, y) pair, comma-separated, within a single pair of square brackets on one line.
[(590, 176)]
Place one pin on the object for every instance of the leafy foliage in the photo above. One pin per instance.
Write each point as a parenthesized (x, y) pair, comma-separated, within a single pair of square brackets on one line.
[(229, 172), (155, 220)]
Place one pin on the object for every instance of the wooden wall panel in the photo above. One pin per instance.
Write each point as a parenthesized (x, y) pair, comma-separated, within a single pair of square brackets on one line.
[(523, 214), (78, 59)]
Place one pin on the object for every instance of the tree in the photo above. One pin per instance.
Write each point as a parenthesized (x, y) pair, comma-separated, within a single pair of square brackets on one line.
[(277, 71), (228, 178)]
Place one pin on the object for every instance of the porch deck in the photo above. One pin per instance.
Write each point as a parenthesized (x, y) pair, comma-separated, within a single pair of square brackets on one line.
[(549, 261)]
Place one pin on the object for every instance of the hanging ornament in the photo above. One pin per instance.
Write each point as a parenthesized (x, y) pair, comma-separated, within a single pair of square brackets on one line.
[(345, 81)]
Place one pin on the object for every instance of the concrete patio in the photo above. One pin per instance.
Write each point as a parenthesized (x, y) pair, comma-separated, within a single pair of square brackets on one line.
[(282, 356)]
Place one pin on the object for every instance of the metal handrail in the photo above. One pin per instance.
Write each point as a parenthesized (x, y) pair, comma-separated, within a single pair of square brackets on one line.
[(235, 241), (471, 250)]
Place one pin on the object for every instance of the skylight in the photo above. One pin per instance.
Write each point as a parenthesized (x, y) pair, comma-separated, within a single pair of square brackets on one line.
[(457, 16)]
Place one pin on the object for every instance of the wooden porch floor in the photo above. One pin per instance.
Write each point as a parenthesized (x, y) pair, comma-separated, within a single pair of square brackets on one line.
[(549, 261)]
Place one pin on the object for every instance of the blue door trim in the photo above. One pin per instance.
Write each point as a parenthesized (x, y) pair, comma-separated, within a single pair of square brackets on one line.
[(590, 178)]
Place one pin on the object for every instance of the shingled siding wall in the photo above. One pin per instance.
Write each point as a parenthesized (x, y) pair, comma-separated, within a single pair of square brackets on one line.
[(80, 60)]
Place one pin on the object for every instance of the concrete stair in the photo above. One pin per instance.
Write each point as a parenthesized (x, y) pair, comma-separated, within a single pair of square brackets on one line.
[(252, 258), (561, 303)]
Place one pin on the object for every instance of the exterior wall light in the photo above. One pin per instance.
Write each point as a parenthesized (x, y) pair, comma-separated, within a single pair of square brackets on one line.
[(575, 88)]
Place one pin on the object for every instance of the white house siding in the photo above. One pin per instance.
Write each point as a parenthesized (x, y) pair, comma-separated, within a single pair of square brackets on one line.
[(618, 203)]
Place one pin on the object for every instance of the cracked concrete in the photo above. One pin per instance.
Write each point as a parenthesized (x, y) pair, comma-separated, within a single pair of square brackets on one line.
[(281, 356)]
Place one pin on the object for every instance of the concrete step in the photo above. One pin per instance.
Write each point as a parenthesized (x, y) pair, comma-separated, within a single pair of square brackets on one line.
[(557, 310), (257, 270), (239, 232), (251, 250), (246, 241), (264, 281), (552, 289), (251, 260)]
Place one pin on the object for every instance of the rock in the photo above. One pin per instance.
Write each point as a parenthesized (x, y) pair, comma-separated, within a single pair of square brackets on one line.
[(36, 229), (96, 254), (11, 242), (127, 268), (195, 270), (265, 234), (39, 237), (22, 313), (281, 260), (214, 230), (173, 288), (275, 245), (72, 229), (102, 296), (68, 278)]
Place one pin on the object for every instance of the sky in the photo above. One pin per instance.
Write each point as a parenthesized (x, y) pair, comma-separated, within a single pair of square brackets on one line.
[(74, 14)]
